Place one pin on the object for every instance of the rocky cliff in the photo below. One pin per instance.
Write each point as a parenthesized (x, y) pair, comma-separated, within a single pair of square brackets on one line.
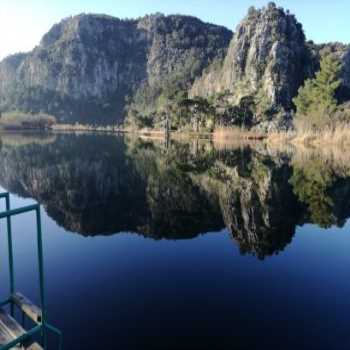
[(86, 66), (267, 61)]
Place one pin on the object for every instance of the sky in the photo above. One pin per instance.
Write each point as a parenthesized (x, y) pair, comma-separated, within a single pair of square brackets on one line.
[(24, 22)]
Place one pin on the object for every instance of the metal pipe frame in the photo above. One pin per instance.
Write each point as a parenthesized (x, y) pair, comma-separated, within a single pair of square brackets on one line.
[(43, 327)]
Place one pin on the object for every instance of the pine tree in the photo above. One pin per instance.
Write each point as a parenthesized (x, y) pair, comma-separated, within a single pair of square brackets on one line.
[(316, 102)]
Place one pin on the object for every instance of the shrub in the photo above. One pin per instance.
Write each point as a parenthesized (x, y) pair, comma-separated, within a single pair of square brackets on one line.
[(21, 120)]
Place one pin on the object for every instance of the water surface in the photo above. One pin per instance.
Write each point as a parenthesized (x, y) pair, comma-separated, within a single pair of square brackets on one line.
[(182, 245)]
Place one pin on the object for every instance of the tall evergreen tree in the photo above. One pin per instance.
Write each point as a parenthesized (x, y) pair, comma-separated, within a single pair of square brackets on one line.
[(316, 101)]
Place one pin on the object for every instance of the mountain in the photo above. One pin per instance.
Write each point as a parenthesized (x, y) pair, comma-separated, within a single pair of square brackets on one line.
[(267, 61), (86, 66), (98, 69)]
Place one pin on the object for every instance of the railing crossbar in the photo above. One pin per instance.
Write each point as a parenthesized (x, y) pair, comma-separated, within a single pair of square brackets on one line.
[(44, 325), (13, 212)]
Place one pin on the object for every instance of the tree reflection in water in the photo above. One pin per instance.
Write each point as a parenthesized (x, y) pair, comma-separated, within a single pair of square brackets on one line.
[(100, 185)]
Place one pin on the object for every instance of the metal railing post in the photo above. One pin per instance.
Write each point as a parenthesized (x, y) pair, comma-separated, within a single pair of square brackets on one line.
[(6, 196), (41, 274), (10, 252)]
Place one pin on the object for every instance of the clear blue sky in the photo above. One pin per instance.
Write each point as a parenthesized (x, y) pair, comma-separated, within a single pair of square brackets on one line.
[(23, 22)]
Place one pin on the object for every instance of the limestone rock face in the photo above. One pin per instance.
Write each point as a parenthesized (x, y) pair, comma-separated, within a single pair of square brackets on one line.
[(8, 69), (180, 48), (266, 58), (176, 42), (85, 66)]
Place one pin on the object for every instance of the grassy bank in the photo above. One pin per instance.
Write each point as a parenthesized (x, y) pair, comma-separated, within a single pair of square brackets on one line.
[(86, 127), (339, 135), (229, 133), (26, 121)]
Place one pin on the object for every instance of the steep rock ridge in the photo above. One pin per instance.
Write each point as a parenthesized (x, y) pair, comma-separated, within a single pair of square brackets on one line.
[(180, 47), (178, 41), (268, 53), (86, 65), (8, 68), (267, 59)]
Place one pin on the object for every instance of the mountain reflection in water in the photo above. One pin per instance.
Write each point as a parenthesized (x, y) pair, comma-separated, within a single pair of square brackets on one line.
[(101, 185)]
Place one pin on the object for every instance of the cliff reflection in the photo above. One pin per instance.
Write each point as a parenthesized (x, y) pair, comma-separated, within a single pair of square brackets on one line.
[(96, 185)]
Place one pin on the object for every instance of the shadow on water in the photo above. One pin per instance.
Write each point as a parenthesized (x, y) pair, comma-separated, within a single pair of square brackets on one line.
[(103, 185)]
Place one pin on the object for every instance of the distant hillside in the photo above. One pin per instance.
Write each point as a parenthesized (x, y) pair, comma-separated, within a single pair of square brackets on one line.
[(86, 66)]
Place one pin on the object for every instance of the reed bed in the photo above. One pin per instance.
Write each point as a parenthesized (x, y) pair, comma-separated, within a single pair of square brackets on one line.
[(26, 121), (85, 127), (236, 133), (17, 139), (337, 135)]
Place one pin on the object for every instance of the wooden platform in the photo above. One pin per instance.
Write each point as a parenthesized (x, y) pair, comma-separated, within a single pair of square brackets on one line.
[(10, 329)]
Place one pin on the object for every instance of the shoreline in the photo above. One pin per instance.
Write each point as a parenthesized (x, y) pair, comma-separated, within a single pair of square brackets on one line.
[(340, 135), (156, 133)]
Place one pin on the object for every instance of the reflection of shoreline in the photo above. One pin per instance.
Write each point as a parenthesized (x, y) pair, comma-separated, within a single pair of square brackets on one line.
[(335, 155), (295, 151), (16, 138), (100, 185)]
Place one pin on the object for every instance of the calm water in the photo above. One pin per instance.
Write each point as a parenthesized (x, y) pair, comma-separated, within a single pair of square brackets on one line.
[(182, 246)]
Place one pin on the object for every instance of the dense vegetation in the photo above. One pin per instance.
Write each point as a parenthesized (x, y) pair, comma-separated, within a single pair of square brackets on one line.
[(20, 120), (311, 183), (317, 102), (96, 69), (188, 46)]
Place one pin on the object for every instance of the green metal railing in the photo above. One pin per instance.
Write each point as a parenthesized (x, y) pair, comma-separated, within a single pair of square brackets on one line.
[(43, 327)]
